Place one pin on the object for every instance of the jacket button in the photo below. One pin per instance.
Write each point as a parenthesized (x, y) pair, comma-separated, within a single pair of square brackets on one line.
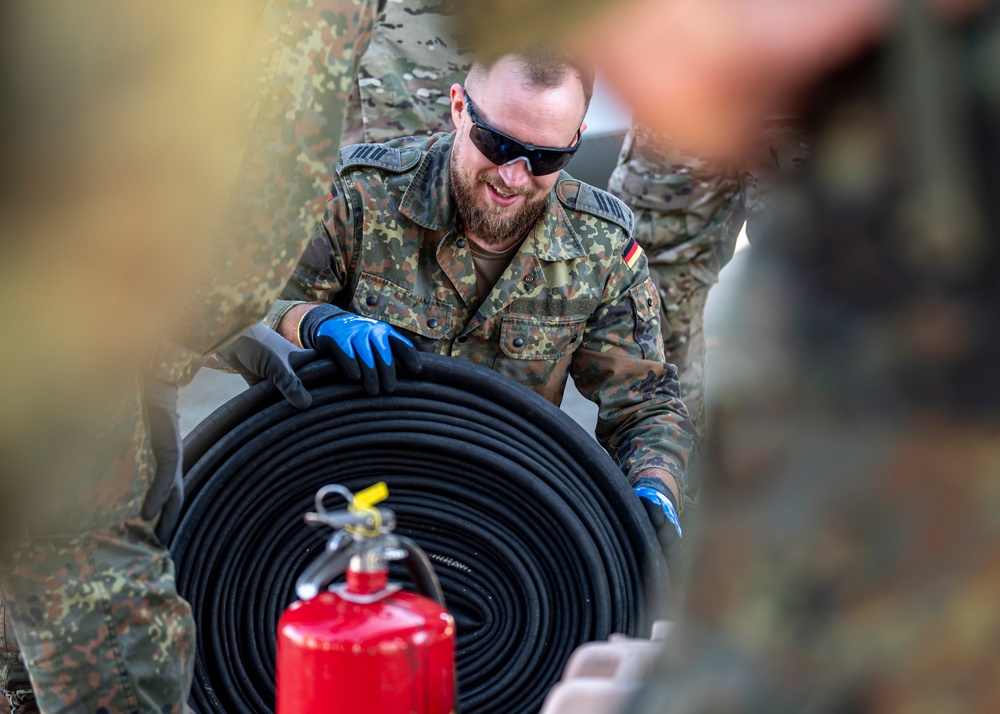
[(518, 342), (649, 301), (463, 339), (371, 301), (460, 242), (432, 323), (529, 278)]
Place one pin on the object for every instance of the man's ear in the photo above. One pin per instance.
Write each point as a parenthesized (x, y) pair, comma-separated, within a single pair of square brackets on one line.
[(457, 105)]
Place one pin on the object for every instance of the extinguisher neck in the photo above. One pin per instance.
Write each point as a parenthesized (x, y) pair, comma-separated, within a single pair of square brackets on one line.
[(360, 582), (368, 558), (367, 572)]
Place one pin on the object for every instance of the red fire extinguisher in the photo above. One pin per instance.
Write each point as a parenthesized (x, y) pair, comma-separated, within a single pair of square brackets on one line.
[(365, 645)]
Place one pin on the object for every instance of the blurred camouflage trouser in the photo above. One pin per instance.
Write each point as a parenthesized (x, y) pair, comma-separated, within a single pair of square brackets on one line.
[(88, 592), (687, 219), (142, 645), (16, 695)]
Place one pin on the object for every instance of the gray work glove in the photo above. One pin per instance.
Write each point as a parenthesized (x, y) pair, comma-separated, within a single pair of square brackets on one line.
[(166, 492), (261, 353)]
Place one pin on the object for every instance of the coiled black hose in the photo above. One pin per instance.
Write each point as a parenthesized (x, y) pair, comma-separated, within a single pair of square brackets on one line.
[(538, 541)]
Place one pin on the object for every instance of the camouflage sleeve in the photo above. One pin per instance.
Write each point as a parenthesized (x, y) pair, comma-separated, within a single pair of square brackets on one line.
[(688, 214), (323, 269), (304, 61), (641, 420), (781, 153)]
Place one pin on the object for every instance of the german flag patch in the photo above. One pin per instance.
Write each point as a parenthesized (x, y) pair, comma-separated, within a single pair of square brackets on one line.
[(631, 252)]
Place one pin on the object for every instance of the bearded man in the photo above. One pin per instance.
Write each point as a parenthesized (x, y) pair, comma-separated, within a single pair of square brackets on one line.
[(475, 244)]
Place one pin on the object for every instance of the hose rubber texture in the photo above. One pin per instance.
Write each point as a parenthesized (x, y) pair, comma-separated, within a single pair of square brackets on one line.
[(537, 538)]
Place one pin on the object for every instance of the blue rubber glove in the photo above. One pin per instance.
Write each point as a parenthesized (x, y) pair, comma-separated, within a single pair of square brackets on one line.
[(363, 348), (661, 507)]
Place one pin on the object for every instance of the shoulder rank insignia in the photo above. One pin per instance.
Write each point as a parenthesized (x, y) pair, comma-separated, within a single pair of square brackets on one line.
[(584, 197), (378, 156)]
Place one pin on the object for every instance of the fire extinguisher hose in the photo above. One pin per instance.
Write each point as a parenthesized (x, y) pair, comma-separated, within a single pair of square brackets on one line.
[(537, 539), (421, 571)]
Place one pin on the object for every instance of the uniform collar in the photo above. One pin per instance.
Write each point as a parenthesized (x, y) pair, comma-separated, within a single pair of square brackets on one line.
[(428, 203)]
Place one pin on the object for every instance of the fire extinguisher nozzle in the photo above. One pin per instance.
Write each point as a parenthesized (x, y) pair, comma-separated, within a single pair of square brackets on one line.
[(306, 591)]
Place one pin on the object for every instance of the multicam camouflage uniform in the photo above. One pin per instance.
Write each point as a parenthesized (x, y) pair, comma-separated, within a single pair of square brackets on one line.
[(576, 299), (687, 218), (91, 594), (406, 72)]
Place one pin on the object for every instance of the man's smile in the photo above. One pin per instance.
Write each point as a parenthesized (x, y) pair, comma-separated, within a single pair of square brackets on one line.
[(501, 196)]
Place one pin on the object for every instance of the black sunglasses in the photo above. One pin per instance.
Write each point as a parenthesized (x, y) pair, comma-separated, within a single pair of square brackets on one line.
[(501, 149)]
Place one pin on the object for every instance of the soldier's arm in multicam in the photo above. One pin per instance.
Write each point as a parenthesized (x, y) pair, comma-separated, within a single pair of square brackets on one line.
[(322, 272), (619, 365), (688, 214)]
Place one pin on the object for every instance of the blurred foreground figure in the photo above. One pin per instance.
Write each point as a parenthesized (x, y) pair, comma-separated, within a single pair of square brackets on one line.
[(850, 541), (123, 272), (848, 558)]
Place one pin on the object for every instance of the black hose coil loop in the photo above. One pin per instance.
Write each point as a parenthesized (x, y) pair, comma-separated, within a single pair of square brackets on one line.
[(538, 540)]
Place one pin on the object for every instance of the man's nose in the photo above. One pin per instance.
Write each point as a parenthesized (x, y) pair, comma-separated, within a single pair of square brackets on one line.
[(516, 173)]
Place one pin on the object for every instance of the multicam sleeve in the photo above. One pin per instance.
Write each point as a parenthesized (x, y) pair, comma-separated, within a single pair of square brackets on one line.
[(641, 420)]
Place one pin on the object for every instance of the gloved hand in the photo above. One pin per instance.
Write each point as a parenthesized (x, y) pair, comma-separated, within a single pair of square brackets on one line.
[(166, 492), (363, 348), (661, 507), (261, 353)]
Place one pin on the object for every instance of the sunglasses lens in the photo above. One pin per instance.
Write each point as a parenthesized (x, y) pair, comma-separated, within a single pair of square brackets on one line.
[(501, 149), (494, 147), (548, 162)]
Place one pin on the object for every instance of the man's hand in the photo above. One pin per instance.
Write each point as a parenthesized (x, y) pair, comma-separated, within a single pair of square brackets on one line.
[(661, 507), (364, 349), (261, 353)]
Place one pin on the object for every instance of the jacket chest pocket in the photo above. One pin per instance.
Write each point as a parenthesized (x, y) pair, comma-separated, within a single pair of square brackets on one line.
[(540, 338), (379, 299)]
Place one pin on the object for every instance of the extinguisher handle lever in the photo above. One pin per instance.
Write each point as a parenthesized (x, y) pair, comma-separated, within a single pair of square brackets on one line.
[(325, 569), (339, 519), (361, 515)]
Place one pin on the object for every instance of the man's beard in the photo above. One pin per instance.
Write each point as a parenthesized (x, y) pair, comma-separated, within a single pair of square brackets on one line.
[(493, 225)]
